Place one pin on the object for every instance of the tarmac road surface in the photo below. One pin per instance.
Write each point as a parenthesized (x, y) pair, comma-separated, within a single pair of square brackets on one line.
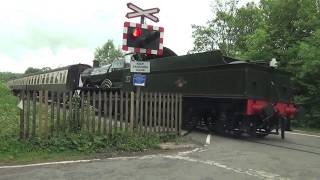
[(296, 157)]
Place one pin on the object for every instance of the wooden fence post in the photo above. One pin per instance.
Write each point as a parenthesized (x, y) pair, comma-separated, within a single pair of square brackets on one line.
[(150, 112), (164, 121), (127, 111), (159, 115), (99, 112), (136, 109), (22, 115), (64, 110), (172, 113), (121, 110), (146, 119), (70, 113), (75, 124), (82, 112), (131, 110), (141, 113), (168, 113), (58, 127), (93, 123), (88, 111), (176, 110), (110, 112), (155, 117), (105, 99), (115, 112), (52, 114), (28, 116), (40, 114), (34, 111), (46, 94), (180, 113)]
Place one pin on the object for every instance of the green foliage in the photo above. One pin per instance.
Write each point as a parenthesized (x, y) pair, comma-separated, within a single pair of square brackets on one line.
[(308, 78), (32, 70), (229, 28), (9, 113), (107, 53), (257, 46), (286, 30), (76, 143), (5, 76)]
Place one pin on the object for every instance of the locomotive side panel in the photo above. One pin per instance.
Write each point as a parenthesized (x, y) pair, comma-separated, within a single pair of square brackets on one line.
[(190, 61), (267, 84), (258, 83), (198, 82)]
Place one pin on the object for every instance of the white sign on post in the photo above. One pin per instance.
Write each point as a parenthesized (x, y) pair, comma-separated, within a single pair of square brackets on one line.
[(20, 105), (118, 64), (137, 11), (140, 66)]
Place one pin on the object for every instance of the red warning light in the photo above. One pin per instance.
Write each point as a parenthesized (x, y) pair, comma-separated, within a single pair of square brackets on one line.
[(137, 32)]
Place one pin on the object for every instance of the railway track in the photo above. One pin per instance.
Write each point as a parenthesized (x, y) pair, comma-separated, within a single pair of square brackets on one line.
[(287, 143)]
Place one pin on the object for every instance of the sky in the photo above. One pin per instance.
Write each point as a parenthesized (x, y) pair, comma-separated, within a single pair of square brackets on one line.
[(56, 33)]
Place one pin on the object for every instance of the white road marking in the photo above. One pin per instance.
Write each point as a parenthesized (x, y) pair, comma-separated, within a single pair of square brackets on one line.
[(91, 160), (49, 163), (302, 134), (208, 140), (184, 153), (180, 156), (250, 172)]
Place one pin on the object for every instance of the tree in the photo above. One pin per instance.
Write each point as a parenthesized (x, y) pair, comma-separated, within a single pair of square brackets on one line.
[(307, 79), (6, 76), (44, 69), (286, 30), (32, 70), (107, 53), (229, 28), (217, 34)]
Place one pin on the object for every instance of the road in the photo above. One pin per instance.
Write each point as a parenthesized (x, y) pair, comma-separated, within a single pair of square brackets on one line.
[(296, 157)]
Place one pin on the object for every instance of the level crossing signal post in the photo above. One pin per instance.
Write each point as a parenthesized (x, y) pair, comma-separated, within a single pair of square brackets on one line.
[(142, 39)]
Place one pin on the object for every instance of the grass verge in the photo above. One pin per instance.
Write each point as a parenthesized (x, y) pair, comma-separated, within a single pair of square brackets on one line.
[(35, 157), (307, 129), (74, 146), (9, 113)]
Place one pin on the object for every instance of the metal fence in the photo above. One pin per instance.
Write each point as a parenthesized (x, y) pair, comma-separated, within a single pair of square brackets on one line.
[(44, 113)]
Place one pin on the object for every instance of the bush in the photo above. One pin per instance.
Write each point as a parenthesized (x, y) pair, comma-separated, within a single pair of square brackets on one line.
[(81, 142), (9, 113)]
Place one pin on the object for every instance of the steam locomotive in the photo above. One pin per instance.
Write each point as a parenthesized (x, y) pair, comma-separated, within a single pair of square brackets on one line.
[(221, 93)]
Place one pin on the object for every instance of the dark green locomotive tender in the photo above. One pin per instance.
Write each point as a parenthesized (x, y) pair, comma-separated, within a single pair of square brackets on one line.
[(225, 94)]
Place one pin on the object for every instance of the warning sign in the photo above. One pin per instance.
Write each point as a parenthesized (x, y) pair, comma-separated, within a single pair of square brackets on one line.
[(140, 66)]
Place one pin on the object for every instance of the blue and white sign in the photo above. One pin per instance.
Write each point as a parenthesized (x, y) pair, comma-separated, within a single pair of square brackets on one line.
[(139, 80)]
